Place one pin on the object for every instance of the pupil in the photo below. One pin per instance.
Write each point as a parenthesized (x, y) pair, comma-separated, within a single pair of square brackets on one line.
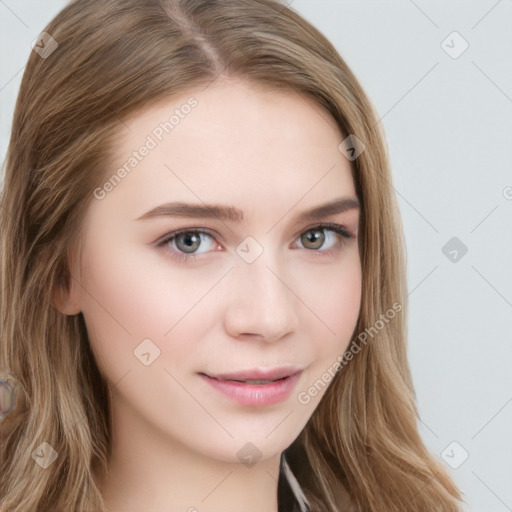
[(190, 239), (315, 237)]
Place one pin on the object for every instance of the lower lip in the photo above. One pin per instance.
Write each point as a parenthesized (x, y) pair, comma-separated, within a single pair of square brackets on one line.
[(255, 395)]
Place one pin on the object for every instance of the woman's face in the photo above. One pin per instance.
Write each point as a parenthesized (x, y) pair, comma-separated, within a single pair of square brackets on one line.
[(270, 295)]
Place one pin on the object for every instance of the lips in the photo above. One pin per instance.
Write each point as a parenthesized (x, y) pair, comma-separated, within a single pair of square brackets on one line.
[(257, 387), (257, 374)]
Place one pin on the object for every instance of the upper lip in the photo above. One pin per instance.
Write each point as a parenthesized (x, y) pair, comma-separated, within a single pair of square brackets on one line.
[(258, 373)]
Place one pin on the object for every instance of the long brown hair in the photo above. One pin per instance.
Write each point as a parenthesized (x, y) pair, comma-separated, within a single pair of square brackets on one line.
[(102, 61)]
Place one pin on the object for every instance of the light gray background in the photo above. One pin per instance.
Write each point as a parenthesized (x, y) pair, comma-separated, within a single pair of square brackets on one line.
[(449, 126)]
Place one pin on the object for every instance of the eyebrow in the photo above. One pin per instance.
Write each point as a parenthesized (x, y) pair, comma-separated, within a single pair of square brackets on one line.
[(232, 214)]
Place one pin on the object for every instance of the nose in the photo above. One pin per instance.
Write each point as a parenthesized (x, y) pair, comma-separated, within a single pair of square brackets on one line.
[(261, 302)]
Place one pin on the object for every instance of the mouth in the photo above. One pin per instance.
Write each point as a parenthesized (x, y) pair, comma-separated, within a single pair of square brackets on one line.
[(258, 375), (256, 387)]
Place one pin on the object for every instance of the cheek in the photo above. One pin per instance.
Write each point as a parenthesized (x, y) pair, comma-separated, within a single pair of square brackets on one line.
[(344, 309), (338, 306), (129, 296), (334, 295)]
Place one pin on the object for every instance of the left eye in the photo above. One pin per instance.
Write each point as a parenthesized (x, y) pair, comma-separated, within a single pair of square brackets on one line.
[(184, 243), (316, 237)]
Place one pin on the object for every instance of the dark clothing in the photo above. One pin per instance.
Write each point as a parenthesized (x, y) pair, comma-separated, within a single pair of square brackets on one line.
[(287, 501)]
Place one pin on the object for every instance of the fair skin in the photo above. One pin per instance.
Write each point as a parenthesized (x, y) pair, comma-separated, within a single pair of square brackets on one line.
[(176, 438)]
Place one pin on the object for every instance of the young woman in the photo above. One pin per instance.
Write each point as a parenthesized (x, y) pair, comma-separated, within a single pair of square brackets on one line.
[(203, 274)]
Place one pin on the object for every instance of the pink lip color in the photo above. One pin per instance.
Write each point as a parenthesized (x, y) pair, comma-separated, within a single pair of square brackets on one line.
[(255, 394)]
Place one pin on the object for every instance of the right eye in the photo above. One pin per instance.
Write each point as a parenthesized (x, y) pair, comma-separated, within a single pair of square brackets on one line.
[(184, 242)]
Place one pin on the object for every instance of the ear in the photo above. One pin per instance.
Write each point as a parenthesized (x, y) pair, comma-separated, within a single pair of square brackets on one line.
[(66, 294)]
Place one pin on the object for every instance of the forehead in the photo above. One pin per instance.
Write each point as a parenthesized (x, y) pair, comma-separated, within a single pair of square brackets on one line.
[(232, 141), (232, 111)]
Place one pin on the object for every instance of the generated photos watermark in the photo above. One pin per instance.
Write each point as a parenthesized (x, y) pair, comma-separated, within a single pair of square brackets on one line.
[(152, 140), (304, 397)]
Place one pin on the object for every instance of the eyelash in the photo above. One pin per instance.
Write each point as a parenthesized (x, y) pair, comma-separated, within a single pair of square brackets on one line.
[(336, 228)]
